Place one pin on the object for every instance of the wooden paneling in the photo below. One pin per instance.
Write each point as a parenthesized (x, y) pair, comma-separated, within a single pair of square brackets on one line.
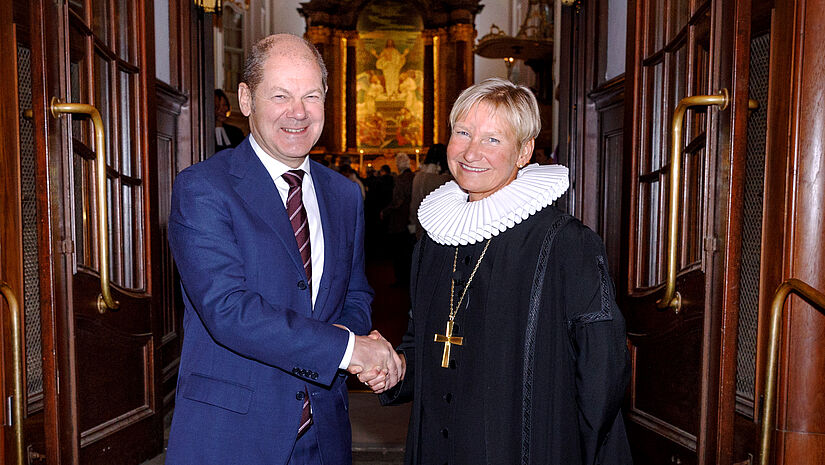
[(605, 165), (184, 118), (11, 223), (794, 247), (170, 104)]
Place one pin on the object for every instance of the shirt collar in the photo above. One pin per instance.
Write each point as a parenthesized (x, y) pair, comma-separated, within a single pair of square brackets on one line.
[(275, 168)]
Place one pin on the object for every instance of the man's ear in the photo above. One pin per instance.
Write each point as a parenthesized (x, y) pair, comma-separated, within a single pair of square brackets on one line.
[(245, 99)]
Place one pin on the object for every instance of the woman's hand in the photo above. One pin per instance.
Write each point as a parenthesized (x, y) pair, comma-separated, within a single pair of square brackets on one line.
[(377, 378)]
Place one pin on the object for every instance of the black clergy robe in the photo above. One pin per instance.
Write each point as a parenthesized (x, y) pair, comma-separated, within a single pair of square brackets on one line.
[(540, 384)]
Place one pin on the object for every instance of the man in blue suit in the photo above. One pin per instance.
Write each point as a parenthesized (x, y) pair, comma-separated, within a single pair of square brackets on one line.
[(269, 246)]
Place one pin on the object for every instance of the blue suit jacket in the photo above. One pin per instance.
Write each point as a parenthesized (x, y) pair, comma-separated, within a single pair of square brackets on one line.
[(251, 339)]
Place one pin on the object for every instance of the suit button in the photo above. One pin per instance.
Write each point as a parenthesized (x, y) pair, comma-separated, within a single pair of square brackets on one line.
[(296, 370), (302, 285), (445, 432), (315, 376), (448, 397), (299, 395)]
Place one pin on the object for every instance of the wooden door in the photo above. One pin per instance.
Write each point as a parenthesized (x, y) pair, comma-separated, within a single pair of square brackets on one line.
[(682, 393), (19, 250), (98, 399)]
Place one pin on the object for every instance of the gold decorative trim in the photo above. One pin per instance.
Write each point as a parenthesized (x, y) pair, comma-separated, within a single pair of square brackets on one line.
[(672, 299), (816, 299), (105, 300), (318, 34), (462, 32), (209, 6), (343, 51), (436, 100), (18, 397)]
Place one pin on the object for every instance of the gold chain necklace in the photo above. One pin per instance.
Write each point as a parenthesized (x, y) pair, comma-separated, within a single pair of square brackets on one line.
[(447, 338)]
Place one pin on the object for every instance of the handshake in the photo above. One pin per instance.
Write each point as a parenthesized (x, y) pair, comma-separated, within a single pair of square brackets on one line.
[(376, 363)]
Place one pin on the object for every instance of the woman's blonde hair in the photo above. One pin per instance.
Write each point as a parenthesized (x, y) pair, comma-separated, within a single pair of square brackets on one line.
[(517, 104)]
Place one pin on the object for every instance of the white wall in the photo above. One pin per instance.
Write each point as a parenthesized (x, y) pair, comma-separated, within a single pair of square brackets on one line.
[(162, 71), (499, 13), (616, 38), (508, 16), (284, 17)]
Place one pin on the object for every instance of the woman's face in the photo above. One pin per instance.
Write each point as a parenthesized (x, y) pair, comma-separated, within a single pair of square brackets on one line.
[(221, 108), (483, 153)]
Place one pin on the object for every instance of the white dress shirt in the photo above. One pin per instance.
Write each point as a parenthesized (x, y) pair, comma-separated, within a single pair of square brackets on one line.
[(276, 170)]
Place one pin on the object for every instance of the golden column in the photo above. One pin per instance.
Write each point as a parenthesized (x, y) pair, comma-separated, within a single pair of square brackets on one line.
[(464, 35), (322, 38)]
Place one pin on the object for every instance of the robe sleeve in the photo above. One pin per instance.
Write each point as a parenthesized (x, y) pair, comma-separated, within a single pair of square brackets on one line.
[(403, 391), (596, 330)]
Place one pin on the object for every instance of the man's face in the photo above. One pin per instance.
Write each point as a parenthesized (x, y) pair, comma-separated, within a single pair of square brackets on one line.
[(286, 113)]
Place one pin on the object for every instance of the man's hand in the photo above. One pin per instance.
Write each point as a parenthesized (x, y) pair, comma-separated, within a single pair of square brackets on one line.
[(384, 367), (375, 379)]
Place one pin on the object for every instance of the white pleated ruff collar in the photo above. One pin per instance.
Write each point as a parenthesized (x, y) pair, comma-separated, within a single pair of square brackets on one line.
[(450, 219)]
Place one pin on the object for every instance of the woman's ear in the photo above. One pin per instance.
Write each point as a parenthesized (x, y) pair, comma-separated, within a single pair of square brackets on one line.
[(525, 153)]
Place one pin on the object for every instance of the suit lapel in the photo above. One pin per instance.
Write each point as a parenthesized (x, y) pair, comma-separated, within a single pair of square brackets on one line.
[(332, 241), (255, 187)]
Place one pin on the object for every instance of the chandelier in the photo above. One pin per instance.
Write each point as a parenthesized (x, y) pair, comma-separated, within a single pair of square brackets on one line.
[(534, 40)]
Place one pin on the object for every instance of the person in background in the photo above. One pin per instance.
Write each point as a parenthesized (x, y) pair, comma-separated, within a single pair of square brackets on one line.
[(350, 174), (433, 174), (515, 350), (540, 157), (269, 245), (226, 135), (379, 194), (397, 218)]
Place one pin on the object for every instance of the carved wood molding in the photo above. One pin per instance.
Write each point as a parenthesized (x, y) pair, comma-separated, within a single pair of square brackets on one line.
[(608, 93), (462, 33), (342, 14), (169, 98), (319, 34)]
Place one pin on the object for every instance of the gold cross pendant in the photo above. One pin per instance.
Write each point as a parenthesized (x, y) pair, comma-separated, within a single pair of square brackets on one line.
[(448, 341)]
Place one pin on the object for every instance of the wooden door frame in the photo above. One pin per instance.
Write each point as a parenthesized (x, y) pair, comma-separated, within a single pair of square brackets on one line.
[(794, 205), (726, 147), (732, 29), (55, 228), (54, 281), (11, 223)]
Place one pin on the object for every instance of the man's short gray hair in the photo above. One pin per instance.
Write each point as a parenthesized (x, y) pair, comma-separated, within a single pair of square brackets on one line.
[(253, 68)]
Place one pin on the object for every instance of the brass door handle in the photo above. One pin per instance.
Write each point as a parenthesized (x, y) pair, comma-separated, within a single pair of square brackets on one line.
[(17, 356), (672, 298), (105, 301), (777, 306)]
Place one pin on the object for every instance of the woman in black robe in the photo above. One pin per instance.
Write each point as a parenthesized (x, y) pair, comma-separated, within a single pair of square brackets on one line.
[(515, 351), (226, 135)]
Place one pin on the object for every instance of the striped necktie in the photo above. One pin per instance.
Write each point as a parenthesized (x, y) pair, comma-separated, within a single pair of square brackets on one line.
[(300, 226), (298, 218)]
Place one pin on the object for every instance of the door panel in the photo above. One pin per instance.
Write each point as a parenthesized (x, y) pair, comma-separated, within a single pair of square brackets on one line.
[(19, 248), (113, 370), (105, 407), (681, 383)]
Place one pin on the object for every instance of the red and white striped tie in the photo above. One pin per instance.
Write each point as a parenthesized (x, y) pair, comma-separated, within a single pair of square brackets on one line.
[(298, 218), (300, 226)]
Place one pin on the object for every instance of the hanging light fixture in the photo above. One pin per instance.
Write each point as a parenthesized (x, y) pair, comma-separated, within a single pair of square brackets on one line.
[(534, 40)]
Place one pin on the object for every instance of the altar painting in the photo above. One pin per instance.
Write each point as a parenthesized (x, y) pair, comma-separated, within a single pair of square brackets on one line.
[(389, 79)]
